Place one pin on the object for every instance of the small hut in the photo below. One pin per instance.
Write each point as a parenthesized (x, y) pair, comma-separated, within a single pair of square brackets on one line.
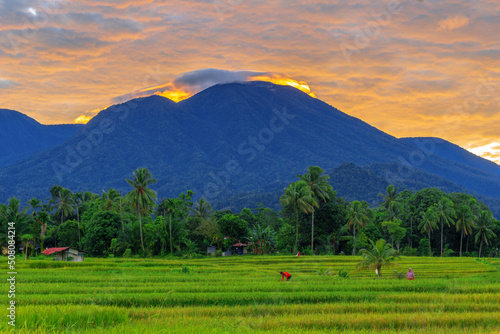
[(239, 248), (211, 250), (65, 254)]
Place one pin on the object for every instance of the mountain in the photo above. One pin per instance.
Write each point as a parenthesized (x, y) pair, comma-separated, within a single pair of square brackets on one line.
[(453, 152), (352, 182), (22, 136), (229, 139)]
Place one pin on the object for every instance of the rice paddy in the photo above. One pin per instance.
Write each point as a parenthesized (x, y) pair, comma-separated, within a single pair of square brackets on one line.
[(245, 295)]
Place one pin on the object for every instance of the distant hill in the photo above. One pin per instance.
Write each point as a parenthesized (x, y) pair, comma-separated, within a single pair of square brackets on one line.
[(22, 136), (230, 139), (454, 152), (352, 182)]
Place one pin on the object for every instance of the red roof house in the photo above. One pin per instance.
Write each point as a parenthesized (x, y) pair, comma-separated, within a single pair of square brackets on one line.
[(65, 254)]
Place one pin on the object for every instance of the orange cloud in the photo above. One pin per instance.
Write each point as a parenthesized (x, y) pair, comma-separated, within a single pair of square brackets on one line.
[(82, 119), (190, 83), (282, 80), (489, 151), (454, 22)]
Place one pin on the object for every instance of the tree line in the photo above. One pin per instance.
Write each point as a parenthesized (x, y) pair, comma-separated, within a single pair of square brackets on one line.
[(312, 220)]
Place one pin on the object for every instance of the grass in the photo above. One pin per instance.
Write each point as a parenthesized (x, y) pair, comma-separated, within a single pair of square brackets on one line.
[(245, 295)]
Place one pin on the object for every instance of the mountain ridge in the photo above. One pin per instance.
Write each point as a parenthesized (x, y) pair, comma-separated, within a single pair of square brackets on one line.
[(228, 139), (22, 136)]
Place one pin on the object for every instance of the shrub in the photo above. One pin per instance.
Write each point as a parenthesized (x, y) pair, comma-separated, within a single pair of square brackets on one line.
[(343, 273), (127, 252), (409, 251)]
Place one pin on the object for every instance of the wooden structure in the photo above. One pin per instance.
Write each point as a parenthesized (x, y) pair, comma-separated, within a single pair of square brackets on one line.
[(211, 250), (239, 248), (65, 254)]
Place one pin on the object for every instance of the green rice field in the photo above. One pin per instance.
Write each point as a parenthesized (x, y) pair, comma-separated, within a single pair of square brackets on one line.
[(245, 295)]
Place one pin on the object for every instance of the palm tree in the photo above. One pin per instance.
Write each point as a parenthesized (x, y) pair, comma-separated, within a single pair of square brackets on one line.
[(464, 222), (12, 213), (78, 199), (381, 255), (428, 223), (141, 197), (35, 204), (319, 186), (299, 196), (358, 215), (445, 214), (391, 194), (202, 209), (110, 200), (484, 227), (64, 203), (26, 240)]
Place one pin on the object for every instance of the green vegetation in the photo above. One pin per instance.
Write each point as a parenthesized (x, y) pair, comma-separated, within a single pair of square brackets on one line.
[(312, 220), (245, 295)]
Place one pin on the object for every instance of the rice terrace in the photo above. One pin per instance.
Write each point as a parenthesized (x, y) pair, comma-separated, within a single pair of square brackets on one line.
[(245, 295)]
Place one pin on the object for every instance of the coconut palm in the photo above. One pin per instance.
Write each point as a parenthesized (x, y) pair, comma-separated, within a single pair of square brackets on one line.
[(141, 196), (64, 203), (299, 196), (381, 255), (464, 222), (27, 240), (358, 215), (445, 214), (319, 186), (202, 209), (77, 200), (12, 212), (391, 194), (110, 200), (428, 223), (484, 227)]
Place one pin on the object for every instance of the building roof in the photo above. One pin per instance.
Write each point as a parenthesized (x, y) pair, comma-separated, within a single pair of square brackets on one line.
[(52, 250), (239, 244)]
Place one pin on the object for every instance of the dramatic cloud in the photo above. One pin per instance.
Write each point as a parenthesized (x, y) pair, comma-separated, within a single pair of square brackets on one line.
[(193, 82), (410, 68)]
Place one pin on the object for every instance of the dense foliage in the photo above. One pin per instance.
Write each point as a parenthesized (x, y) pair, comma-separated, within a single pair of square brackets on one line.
[(312, 220)]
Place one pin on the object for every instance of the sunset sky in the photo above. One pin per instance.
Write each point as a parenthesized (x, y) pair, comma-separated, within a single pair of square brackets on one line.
[(409, 68)]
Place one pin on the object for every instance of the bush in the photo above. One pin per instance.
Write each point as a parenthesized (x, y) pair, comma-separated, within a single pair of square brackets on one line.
[(343, 273), (127, 252), (325, 271), (398, 275), (423, 247), (306, 251), (185, 270), (409, 251)]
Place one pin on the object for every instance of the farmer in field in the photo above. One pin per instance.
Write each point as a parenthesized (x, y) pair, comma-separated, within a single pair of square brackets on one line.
[(285, 274), (410, 275)]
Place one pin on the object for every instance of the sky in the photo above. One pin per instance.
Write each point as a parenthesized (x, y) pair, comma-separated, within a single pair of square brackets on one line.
[(410, 68)]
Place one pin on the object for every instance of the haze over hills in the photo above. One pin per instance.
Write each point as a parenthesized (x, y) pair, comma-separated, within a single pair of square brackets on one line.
[(227, 140), (22, 136)]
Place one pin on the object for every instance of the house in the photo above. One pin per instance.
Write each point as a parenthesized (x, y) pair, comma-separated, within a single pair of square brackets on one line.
[(239, 248), (65, 254), (211, 250)]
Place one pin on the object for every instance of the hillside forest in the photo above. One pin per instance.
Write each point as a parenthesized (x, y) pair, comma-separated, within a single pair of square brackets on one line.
[(312, 220)]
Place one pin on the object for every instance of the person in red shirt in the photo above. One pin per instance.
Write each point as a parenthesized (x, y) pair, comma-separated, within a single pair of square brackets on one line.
[(285, 274)]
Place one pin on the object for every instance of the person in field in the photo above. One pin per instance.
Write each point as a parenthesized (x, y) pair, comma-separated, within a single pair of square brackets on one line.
[(285, 274), (410, 275)]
